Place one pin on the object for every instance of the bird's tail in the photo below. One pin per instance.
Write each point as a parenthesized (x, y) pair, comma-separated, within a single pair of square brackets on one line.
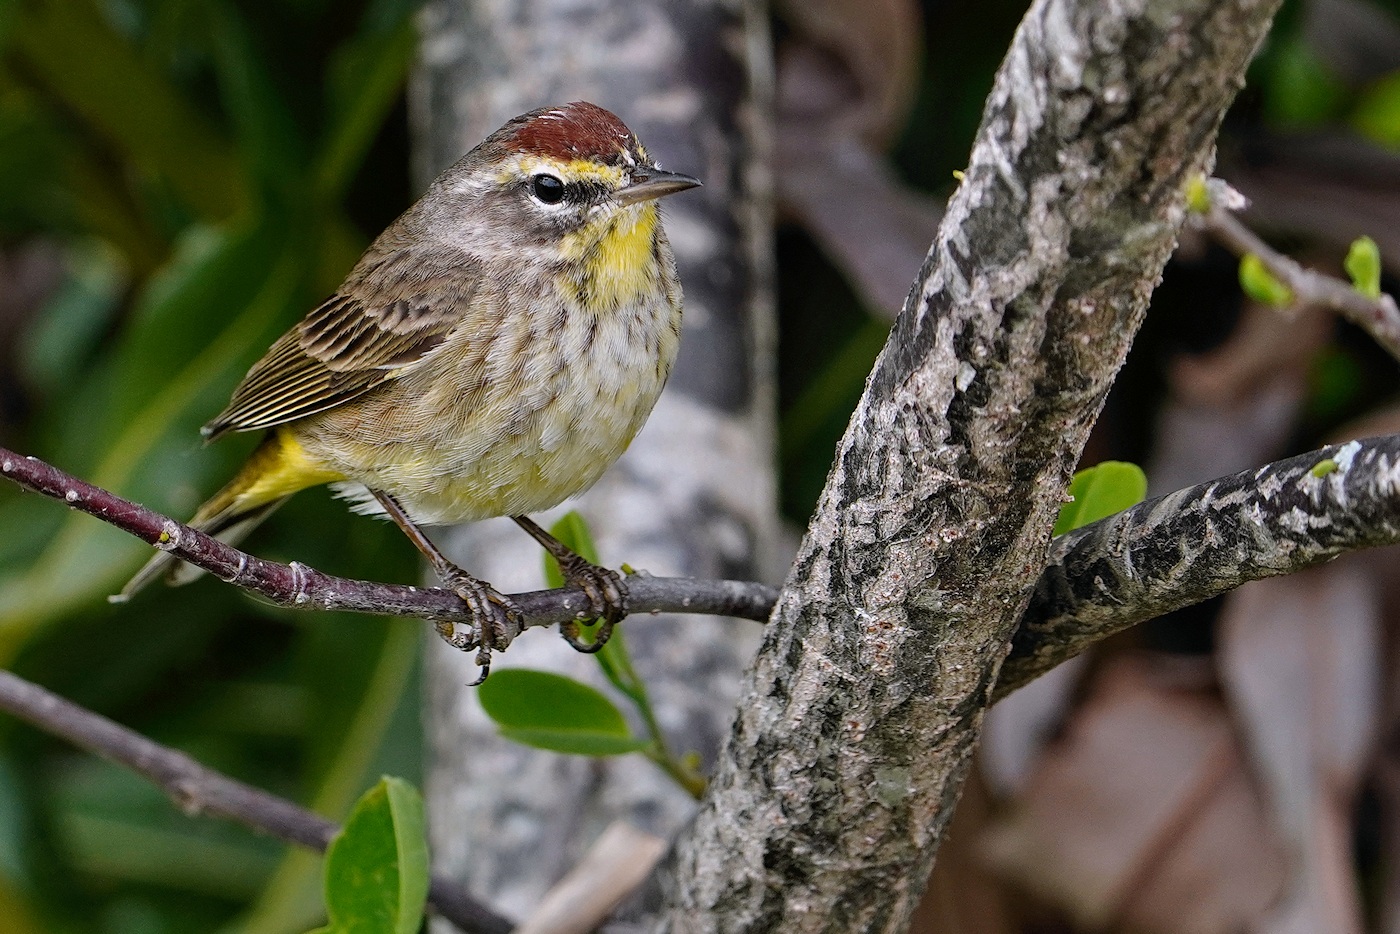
[(277, 468)]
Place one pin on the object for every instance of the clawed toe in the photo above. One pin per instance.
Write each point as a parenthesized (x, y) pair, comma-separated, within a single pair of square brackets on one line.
[(607, 600), (605, 588), (496, 618)]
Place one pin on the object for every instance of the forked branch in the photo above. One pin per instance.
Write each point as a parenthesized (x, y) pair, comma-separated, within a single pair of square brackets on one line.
[(1378, 317)]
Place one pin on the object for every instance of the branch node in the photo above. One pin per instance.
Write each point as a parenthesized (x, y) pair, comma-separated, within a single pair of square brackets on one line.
[(185, 793), (239, 571), (169, 537), (299, 594)]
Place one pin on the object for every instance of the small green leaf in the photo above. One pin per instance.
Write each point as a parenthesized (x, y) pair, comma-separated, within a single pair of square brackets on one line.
[(1198, 194), (1099, 491), (550, 711), (1363, 264), (1323, 467), (377, 866), (572, 530), (1261, 285)]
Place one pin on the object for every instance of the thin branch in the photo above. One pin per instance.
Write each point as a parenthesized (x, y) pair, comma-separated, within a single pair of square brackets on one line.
[(1160, 556), (196, 789), (1197, 543), (297, 585), (1378, 317)]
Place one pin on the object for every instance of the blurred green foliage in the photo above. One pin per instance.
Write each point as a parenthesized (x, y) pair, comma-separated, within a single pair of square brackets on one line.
[(208, 171), (197, 175)]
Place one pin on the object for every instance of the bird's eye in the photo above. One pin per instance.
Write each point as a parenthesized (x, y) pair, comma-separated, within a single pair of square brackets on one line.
[(547, 189)]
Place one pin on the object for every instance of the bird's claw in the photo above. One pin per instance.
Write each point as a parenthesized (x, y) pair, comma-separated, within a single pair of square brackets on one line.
[(497, 620), (607, 600)]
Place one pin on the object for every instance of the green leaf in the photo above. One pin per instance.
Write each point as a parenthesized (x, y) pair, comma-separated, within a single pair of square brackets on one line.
[(1377, 112), (1261, 285), (356, 743), (1324, 467), (366, 78), (377, 866), (1363, 264), (1198, 194), (572, 530), (1300, 91), (550, 711), (1099, 491)]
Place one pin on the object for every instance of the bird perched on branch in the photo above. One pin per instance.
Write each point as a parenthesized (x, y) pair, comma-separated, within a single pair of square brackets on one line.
[(491, 354)]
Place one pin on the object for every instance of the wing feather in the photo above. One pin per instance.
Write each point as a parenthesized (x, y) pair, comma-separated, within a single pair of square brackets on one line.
[(347, 346)]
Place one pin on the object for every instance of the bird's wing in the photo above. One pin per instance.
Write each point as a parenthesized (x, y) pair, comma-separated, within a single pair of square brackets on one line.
[(341, 350)]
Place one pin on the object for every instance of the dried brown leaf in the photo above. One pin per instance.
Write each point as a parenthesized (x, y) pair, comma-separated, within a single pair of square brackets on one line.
[(1109, 828), (846, 76), (1300, 661)]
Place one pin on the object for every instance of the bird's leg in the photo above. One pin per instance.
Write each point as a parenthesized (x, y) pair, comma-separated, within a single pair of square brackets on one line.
[(497, 618), (606, 590)]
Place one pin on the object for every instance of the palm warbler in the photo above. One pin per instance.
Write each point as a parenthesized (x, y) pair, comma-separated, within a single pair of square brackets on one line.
[(491, 354)]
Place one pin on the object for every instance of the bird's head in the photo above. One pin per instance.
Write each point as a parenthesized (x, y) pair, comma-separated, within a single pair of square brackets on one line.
[(573, 176)]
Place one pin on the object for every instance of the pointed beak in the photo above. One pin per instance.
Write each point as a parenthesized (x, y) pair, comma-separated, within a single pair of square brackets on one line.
[(649, 183)]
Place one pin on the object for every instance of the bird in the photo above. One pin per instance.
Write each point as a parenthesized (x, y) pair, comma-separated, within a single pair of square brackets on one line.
[(492, 353)]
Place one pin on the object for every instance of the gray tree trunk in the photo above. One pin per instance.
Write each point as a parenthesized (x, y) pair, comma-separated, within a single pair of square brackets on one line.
[(859, 716), (695, 493)]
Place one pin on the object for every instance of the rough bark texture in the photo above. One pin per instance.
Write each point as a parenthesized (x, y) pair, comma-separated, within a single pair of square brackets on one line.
[(694, 495), (861, 711), (1202, 541)]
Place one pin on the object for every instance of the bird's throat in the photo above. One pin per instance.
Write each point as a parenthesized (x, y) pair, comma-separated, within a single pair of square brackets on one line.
[(618, 268)]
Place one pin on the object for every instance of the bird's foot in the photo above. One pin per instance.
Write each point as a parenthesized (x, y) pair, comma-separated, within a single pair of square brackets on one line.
[(607, 600), (497, 619)]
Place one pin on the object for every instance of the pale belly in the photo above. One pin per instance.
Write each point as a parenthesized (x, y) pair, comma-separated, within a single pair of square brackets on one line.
[(509, 426)]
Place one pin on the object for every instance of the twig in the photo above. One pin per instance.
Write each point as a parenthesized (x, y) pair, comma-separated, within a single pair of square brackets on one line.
[(197, 789), (1197, 543), (297, 585), (616, 863), (1378, 317)]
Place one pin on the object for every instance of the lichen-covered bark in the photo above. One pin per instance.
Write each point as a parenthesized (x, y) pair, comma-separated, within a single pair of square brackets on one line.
[(862, 709), (1202, 541), (695, 493)]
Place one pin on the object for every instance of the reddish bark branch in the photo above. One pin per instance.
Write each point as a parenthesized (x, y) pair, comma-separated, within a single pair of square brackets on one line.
[(197, 789), (297, 585)]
